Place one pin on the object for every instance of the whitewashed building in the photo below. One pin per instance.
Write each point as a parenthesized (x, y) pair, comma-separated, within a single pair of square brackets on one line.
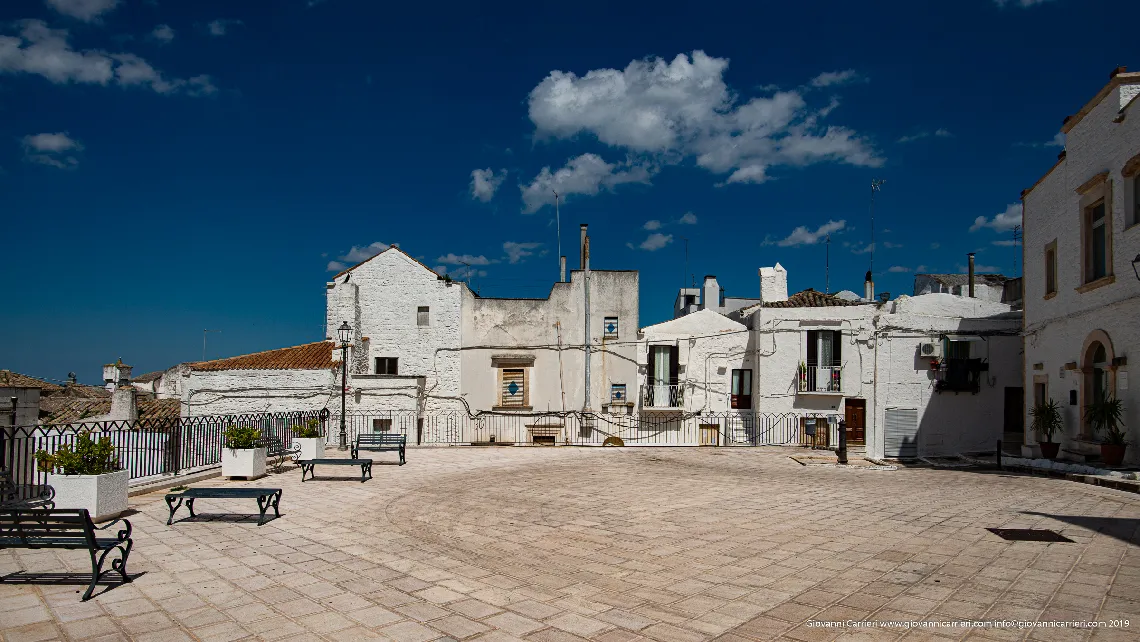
[(988, 287), (1082, 269)]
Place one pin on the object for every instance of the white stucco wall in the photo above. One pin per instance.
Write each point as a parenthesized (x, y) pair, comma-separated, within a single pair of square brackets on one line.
[(709, 348), (880, 365), (527, 328), (226, 392), (1058, 327), (925, 284)]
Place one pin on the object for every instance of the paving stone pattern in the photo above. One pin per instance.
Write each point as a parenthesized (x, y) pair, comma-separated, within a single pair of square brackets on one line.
[(613, 545)]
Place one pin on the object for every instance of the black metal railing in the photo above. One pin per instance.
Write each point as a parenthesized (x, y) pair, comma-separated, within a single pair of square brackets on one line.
[(147, 448)]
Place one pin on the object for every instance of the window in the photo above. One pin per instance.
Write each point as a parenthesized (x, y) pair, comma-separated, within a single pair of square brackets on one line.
[(387, 365), (1096, 242), (1134, 206), (662, 389), (422, 315), (513, 387), (690, 299), (610, 328), (722, 297), (741, 397), (1051, 268), (824, 361), (617, 393), (381, 425), (957, 349)]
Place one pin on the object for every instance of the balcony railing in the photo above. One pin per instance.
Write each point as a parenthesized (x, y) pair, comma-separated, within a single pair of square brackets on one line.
[(662, 396), (828, 379)]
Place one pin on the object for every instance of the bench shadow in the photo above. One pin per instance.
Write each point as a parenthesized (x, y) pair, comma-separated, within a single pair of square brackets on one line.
[(1125, 529), (228, 518), (332, 478), (69, 579)]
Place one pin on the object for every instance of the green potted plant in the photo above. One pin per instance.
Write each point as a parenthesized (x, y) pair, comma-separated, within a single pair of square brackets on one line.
[(86, 474), (1047, 421), (242, 453), (1106, 414), (307, 440)]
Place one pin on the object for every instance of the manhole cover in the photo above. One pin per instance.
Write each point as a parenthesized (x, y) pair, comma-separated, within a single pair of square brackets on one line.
[(1029, 535)]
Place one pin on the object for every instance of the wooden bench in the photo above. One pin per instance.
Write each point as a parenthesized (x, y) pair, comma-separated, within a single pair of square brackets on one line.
[(307, 466), (24, 495), (380, 442), (37, 528), (265, 497)]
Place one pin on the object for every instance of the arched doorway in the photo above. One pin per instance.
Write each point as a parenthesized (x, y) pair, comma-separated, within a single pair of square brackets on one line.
[(1099, 379)]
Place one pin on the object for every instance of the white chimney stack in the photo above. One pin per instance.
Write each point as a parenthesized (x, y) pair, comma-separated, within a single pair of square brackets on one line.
[(869, 287)]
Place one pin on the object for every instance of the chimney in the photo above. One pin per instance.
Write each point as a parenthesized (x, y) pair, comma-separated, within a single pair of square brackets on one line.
[(773, 283), (710, 293), (868, 287), (970, 257), (583, 248), (562, 269), (124, 406), (115, 375)]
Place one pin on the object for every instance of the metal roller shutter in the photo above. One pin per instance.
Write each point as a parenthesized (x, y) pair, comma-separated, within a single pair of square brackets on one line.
[(900, 439)]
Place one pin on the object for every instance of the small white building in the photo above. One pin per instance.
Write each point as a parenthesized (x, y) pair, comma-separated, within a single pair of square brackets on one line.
[(1082, 269), (987, 287)]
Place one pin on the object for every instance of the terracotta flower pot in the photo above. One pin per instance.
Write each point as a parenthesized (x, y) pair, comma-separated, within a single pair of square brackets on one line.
[(1112, 454), (1049, 449)]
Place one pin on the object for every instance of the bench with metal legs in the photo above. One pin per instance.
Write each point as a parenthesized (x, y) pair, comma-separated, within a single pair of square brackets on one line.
[(266, 498), (307, 466)]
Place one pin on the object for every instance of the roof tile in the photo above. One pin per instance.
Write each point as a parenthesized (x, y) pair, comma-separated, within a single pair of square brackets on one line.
[(809, 298), (311, 356)]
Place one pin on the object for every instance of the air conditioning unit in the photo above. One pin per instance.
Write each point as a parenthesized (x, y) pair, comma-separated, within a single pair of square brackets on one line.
[(930, 349)]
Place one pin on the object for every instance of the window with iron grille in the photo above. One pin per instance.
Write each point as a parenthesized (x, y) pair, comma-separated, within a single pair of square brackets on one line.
[(422, 315), (617, 393), (610, 328), (513, 387), (381, 425), (387, 365)]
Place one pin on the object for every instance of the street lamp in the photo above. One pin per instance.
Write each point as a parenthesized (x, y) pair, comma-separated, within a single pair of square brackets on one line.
[(344, 333)]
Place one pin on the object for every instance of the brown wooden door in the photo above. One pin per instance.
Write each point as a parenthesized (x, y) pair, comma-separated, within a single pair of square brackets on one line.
[(855, 416)]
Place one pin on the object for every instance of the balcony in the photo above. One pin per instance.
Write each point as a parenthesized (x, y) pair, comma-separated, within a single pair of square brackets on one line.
[(665, 397), (821, 380)]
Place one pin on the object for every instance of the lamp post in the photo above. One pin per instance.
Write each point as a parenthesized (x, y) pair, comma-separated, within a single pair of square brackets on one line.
[(344, 332)]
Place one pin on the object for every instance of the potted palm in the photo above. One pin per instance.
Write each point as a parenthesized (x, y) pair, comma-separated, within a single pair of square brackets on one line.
[(86, 474), (1106, 413), (242, 456), (307, 440), (1047, 421)]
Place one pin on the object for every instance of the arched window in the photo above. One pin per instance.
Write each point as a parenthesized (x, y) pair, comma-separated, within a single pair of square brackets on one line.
[(1099, 370)]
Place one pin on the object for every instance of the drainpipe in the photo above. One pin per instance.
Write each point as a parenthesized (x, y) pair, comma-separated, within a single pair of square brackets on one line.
[(562, 269), (970, 256), (586, 285)]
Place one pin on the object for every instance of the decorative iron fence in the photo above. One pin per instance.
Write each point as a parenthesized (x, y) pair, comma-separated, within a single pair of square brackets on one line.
[(147, 448), (657, 428)]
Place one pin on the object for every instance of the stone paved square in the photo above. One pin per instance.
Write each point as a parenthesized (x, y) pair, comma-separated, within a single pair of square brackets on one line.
[(612, 545)]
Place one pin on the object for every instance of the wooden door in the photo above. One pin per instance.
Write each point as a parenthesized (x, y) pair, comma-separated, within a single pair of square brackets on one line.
[(855, 416)]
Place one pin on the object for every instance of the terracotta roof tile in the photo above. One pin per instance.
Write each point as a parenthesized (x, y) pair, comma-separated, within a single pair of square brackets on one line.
[(78, 410), (810, 299), (11, 379), (148, 377), (311, 356)]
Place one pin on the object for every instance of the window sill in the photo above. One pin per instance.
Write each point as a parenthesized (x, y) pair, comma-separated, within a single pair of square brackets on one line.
[(1099, 283), (508, 408), (1051, 295), (1132, 227)]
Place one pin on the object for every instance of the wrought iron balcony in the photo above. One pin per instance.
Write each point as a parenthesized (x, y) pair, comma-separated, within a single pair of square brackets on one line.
[(662, 396), (821, 379)]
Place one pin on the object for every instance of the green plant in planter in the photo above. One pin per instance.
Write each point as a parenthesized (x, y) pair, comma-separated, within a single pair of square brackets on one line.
[(1107, 414), (85, 457), (241, 437), (311, 429), (1047, 419)]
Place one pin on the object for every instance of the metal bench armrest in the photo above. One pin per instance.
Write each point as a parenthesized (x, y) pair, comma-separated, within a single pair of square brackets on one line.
[(124, 534)]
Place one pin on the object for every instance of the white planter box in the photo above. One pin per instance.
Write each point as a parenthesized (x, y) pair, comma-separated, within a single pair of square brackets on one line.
[(311, 447), (245, 462), (104, 496)]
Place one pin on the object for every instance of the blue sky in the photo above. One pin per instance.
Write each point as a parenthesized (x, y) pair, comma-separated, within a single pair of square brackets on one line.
[(169, 167)]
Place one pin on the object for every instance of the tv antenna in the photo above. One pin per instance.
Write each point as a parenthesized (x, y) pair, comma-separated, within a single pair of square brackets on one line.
[(204, 333), (876, 185)]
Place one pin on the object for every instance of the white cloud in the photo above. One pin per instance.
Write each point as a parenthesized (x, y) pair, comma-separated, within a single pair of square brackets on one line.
[(1058, 140), (46, 52), (656, 241), (921, 268), (357, 254), (978, 269), (461, 259), (220, 26), (54, 150), (688, 219), (1024, 4), (586, 174), (652, 225), (803, 236), (938, 133), (863, 249), (485, 182), (162, 33), (935, 246), (829, 78), (683, 109), (898, 269), (516, 252), (891, 246), (85, 10), (1002, 221), (1006, 243)]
